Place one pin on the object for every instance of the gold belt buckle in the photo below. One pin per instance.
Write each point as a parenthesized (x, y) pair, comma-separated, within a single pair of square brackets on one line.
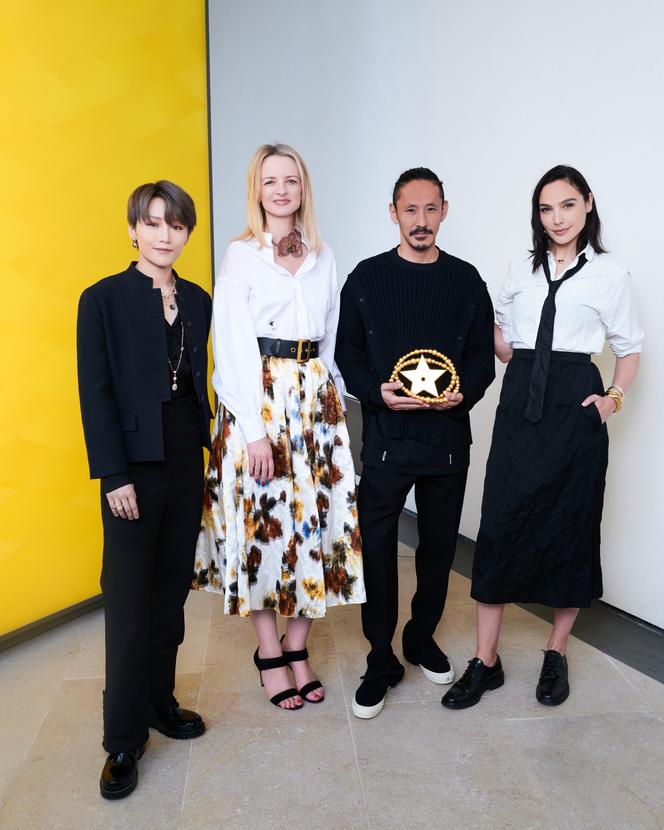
[(301, 346)]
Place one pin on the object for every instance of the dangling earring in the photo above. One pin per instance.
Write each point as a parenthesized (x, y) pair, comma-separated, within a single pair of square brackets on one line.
[(134, 243)]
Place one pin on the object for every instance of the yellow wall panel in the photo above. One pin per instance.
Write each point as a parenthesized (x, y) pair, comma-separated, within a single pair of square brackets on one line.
[(96, 98)]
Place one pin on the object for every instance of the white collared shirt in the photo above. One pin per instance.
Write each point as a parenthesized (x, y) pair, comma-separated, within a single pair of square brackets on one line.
[(256, 297), (595, 305)]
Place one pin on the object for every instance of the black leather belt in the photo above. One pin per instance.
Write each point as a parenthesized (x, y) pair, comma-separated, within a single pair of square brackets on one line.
[(300, 350)]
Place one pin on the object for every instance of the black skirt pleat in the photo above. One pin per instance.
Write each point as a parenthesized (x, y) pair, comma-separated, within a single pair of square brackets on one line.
[(539, 536)]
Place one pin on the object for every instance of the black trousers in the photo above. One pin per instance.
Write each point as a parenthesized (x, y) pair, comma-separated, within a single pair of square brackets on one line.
[(381, 498), (146, 574)]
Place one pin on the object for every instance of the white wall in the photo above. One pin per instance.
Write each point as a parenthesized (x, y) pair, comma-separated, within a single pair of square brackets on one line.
[(489, 95)]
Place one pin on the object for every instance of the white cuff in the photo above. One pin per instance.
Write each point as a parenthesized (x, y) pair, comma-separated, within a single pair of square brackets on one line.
[(253, 428)]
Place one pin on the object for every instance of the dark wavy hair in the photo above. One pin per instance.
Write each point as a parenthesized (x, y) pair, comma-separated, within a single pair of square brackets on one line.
[(416, 174), (592, 231)]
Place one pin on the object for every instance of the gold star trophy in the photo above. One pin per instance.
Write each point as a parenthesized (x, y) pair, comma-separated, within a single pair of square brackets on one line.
[(424, 377)]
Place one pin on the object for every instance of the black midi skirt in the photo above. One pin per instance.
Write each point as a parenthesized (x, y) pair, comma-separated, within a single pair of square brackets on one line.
[(539, 536)]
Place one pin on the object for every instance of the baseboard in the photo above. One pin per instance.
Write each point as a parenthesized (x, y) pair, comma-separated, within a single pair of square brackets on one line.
[(26, 632)]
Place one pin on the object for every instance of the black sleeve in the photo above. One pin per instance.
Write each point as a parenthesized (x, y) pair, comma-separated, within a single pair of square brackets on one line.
[(351, 351), (110, 483), (478, 364), (208, 313), (101, 423), (206, 303)]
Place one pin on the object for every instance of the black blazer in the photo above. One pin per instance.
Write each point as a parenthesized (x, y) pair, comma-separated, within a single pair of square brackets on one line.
[(123, 368)]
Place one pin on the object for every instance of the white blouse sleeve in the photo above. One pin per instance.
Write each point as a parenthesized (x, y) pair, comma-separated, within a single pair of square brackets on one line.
[(328, 342), (238, 373), (618, 313), (503, 306)]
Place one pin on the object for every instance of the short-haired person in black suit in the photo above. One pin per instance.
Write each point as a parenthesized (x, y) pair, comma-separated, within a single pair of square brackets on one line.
[(142, 371), (415, 296)]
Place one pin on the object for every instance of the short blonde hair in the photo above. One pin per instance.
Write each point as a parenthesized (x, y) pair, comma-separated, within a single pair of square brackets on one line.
[(305, 218)]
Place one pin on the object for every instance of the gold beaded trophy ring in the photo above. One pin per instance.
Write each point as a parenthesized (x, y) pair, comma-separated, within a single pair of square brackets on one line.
[(423, 377)]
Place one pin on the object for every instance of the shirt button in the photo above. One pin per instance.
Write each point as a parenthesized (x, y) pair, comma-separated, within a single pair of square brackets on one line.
[(471, 307), (361, 299), (188, 324), (370, 331), (198, 374), (460, 337), (194, 348)]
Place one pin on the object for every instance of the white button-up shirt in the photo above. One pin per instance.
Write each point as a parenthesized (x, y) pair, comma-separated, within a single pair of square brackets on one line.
[(594, 305), (256, 297)]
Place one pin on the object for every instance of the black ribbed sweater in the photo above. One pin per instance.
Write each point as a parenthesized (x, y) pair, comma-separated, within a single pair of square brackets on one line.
[(390, 306)]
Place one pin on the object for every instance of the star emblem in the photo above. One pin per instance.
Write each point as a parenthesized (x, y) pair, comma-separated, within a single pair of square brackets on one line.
[(423, 378)]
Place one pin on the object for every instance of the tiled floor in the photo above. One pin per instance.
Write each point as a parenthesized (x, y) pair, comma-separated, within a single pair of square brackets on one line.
[(595, 762)]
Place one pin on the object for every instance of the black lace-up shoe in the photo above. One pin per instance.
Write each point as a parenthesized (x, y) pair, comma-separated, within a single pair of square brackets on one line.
[(120, 774), (553, 688), (476, 680), (175, 722)]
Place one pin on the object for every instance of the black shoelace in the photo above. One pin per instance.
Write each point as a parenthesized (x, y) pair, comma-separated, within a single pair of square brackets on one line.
[(467, 677), (553, 665)]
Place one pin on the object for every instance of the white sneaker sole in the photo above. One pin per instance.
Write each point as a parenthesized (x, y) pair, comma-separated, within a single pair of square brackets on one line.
[(439, 678), (367, 712)]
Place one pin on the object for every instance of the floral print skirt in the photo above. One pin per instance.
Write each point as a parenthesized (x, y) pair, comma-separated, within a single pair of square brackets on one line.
[(292, 544)]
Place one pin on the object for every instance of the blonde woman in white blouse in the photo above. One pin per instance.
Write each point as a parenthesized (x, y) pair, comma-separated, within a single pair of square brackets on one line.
[(544, 488), (279, 532)]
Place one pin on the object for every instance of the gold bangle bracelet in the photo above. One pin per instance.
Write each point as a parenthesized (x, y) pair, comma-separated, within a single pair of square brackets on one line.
[(618, 390), (615, 397)]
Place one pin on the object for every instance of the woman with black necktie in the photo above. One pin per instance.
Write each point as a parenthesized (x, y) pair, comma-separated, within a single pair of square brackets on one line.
[(539, 536), (142, 370)]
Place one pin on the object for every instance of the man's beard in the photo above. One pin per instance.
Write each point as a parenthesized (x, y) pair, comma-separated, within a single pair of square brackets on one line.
[(423, 245)]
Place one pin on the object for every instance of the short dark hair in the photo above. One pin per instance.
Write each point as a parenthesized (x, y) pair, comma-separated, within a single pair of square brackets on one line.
[(413, 175), (591, 233), (179, 206)]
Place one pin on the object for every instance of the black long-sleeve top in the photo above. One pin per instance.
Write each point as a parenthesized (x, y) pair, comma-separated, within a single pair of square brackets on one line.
[(390, 306)]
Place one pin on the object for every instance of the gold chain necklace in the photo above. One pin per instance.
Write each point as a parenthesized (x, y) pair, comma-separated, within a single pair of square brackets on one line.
[(174, 384)]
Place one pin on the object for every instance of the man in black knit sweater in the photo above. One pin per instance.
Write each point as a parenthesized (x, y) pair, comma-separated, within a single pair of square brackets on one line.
[(412, 297)]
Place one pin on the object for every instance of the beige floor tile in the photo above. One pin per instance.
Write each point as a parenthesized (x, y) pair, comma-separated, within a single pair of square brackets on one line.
[(421, 770), (88, 660), (198, 613), (602, 772), (58, 785), (263, 768), (28, 689)]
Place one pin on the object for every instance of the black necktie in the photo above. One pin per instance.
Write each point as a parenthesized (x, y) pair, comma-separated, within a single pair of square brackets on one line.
[(544, 342)]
